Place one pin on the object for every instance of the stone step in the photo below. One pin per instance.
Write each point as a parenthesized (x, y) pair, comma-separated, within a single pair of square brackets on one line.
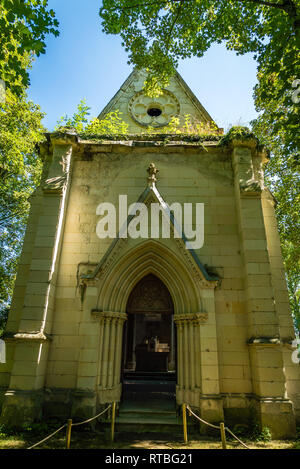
[(147, 412), (152, 376), (148, 406), (151, 419), (154, 424), (145, 386), (148, 397)]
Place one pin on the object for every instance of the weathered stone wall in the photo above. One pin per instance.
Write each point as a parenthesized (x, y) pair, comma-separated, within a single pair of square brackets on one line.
[(241, 247), (186, 175), (188, 103)]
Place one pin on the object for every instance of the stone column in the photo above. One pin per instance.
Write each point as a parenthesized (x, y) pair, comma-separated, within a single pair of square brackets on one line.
[(29, 326), (194, 387), (110, 354), (270, 404)]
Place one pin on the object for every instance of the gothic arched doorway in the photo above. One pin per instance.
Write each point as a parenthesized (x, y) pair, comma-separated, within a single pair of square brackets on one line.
[(149, 353)]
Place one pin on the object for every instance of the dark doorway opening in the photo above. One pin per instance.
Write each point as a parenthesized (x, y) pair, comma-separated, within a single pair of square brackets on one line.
[(149, 350)]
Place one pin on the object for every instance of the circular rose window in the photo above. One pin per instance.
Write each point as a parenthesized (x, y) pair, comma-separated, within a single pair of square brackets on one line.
[(155, 112)]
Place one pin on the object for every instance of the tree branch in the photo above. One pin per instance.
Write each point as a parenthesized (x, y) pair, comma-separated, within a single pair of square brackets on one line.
[(281, 6), (173, 24), (288, 6)]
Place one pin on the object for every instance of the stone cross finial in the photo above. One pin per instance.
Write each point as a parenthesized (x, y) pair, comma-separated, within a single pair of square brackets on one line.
[(152, 171)]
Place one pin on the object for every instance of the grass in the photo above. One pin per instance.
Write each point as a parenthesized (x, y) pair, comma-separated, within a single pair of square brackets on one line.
[(96, 440)]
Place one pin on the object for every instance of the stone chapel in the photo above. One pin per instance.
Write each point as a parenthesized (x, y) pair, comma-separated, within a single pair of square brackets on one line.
[(95, 321)]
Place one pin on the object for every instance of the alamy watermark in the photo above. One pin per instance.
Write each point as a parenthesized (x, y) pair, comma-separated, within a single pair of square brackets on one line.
[(2, 91), (184, 221), (296, 93), (296, 352)]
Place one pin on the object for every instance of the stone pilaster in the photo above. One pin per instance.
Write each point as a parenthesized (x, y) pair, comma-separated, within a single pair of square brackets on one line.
[(29, 328), (110, 356), (266, 358), (194, 385)]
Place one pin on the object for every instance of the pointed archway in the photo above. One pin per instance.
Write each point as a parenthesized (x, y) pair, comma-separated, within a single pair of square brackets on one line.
[(149, 347), (174, 263), (109, 289), (149, 344)]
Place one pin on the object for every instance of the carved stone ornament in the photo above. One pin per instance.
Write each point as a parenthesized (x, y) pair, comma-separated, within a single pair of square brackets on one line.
[(152, 171), (55, 185), (108, 315), (26, 336), (150, 295), (195, 318), (155, 112)]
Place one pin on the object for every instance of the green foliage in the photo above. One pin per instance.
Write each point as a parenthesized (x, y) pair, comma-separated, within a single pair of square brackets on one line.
[(79, 119), (29, 430), (282, 175), (238, 133), (112, 124), (156, 34), (190, 126), (240, 430), (20, 168), (261, 434), (36, 429), (3, 320), (24, 25)]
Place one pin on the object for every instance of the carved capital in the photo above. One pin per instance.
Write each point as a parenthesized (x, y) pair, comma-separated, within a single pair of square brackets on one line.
[(195, 318), (107, 316)]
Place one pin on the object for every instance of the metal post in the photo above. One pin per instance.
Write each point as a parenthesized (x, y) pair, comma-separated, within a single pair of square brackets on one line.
[(184, 421), (113, 418), (223, 435), (69, 429)]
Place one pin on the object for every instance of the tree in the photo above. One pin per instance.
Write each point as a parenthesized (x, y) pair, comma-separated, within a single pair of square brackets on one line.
[(20, 167), (282, 175), (157, 33), (24, 25), (112, 124)]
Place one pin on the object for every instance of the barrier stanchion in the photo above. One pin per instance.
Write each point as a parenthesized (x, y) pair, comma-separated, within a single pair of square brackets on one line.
[(220, 427), (47, 438), (68, 436), (223, 435), (234, 436), (184, 421), (69, 426), (113, 418)]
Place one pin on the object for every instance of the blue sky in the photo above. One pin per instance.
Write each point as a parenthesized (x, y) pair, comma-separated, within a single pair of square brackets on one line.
[(85, 63)]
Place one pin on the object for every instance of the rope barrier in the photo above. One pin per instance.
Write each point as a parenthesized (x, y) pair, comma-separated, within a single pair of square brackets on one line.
[(203, 421), (217, 427), (91, 419), (72, 425), (48, 437), (234, 436)]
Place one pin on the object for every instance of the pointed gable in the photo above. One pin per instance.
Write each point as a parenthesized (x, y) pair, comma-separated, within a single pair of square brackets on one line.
[(140, 111)]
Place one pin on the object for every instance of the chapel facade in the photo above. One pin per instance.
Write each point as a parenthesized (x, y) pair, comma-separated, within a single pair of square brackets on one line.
[(90, 313)]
